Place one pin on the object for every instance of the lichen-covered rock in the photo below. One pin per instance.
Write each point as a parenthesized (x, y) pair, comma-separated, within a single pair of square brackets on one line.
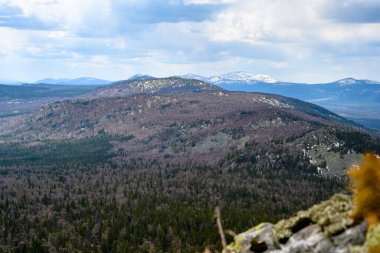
[(309, 239), (257, 239), (332, 215), (324, 228)]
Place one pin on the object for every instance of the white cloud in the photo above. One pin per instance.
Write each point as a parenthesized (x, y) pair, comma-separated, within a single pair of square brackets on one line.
[(255, 21), (89, 16), (299, 27), (281, 37), (353, 33)]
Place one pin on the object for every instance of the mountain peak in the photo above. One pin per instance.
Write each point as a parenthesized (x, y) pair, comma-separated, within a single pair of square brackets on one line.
[(192, 76), (348, 81), (246, 76), (352, 81), (168, 85), (141, 77)]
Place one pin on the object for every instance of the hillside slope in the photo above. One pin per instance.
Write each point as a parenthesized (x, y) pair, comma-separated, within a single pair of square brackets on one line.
[(196, 128), (22, 99)]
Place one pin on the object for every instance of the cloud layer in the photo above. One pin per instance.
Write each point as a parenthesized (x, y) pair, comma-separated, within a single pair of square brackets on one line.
[(295, 40)]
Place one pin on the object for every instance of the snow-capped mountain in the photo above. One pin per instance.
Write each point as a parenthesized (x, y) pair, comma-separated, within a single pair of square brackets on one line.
[(76, 81), (141, 77), (193, 76), (234, 77), (247, 77), (352, 98), (352, 81)]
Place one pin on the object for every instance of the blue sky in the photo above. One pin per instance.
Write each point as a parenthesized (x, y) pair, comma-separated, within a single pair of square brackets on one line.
[(291, 40)]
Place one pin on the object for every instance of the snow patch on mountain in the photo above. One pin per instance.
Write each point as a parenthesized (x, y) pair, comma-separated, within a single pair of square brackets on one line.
[(246, 76), (192, 76), (353, 81), (347, 82), (141, 77), (234, 77)]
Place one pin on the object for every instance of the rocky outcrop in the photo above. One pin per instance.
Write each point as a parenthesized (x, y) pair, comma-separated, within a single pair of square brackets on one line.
[(324, 228)]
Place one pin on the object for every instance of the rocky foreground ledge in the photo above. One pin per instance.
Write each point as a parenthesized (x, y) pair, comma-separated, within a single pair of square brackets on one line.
[(324, 228)]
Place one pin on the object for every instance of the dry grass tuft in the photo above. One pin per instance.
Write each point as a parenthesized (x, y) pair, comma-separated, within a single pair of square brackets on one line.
[(366, 186)]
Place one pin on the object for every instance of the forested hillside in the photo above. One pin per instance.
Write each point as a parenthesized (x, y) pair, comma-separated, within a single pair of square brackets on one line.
[(143, 173)]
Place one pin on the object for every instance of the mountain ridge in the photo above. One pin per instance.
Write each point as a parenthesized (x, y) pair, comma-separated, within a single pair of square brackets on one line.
[(75, 81), (238, 76), (353, 98), (242, 77), (147, 84), (202, 127), (230, 77), (141, 77)]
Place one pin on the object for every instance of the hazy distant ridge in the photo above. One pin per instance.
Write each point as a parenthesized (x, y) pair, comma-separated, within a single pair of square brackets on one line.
[(76, 81)]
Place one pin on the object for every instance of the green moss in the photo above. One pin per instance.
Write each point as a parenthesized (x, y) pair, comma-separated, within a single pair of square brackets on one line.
[(372, 241), (373, 236)]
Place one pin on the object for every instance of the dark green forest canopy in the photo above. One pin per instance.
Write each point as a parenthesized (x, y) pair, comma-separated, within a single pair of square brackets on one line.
[(144, 208), (72, 195)]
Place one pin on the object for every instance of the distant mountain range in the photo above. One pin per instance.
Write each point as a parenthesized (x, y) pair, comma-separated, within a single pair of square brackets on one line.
[(347, 91), (87, 80), (76, 81), (358, 100), (234, 77), (241, 77), (10, 82)]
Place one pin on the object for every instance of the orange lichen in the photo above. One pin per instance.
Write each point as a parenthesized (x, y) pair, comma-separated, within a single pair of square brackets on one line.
[(366, 186)]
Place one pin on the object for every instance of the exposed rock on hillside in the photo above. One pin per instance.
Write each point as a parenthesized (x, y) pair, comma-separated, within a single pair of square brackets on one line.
[(323, 228), (170, 85)]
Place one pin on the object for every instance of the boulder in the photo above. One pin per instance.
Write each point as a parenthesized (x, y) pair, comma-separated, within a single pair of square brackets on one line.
[(324, 228)]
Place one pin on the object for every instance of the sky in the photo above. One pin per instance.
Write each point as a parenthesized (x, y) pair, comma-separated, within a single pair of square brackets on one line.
[(291, 40)]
